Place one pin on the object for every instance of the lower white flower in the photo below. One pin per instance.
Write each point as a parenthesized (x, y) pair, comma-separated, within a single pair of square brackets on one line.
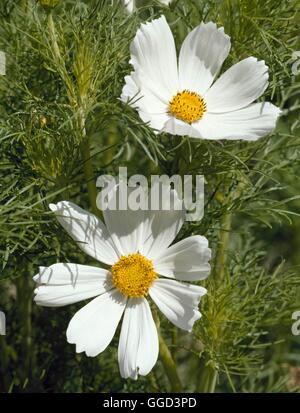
[(136, 247)]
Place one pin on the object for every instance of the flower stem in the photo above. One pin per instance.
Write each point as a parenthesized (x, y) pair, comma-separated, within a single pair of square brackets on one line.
[(111, 140), (52, 33), (80, 126), (24, 5), (167, 359), (89, 173), (24, 294), (4, 365), (208, 373), (221, 254), (58, 59), (208, 377), (169, 365)]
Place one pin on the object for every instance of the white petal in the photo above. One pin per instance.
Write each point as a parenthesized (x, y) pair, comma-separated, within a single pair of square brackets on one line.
[(177, 301), (130, 90), (201, 57), (67, 273), (63, 284), (149, 232), (250, 123), (178, 127), (238, 86), (155, 121), (186, 260), (138, 346), (129, 4), (125, 225), (152, 109), (94, 325), (153, 56), (87, 230), (161, 227)]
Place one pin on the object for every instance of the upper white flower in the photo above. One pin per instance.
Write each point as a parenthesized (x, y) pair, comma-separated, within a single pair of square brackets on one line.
[(183, 99), (135, 245)]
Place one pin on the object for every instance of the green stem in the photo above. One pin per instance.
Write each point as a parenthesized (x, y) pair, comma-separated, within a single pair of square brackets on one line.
[(89, 173), (174, 337), (208, 373), (4, 366), (24, 294), (62, 182), (224, 233), (208, 377), (87, 163), (24, 5), (221, 254), (52, 33), (81, 125), (153, 382), (59, 61), (169, 365), (111, 140), (167, 359)]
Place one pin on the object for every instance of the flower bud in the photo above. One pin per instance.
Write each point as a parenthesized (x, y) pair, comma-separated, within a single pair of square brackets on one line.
[(49, 4)]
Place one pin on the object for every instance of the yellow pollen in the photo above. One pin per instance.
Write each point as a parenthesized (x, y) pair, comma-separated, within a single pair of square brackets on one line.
[(133, 275), (187, 106)]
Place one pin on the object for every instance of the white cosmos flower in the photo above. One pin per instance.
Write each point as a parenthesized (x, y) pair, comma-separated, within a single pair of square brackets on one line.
[(183, 99), (135, 246)]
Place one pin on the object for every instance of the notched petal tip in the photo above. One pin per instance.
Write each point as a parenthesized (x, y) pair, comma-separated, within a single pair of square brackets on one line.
[(53, 207), (133, 375), (35, 292), (161, 18), (197, 316), (37, 277), (202, 292)]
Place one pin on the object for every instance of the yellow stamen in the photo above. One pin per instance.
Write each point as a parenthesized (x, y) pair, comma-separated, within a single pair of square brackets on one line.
[(133, 275), (187, 106)]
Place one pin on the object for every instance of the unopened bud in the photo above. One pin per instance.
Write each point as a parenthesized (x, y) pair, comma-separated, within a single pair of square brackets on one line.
[(43, 121), (49, 4)]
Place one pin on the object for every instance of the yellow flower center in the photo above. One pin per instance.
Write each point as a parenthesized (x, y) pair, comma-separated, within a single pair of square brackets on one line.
[(187, 106), (133, 275)]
